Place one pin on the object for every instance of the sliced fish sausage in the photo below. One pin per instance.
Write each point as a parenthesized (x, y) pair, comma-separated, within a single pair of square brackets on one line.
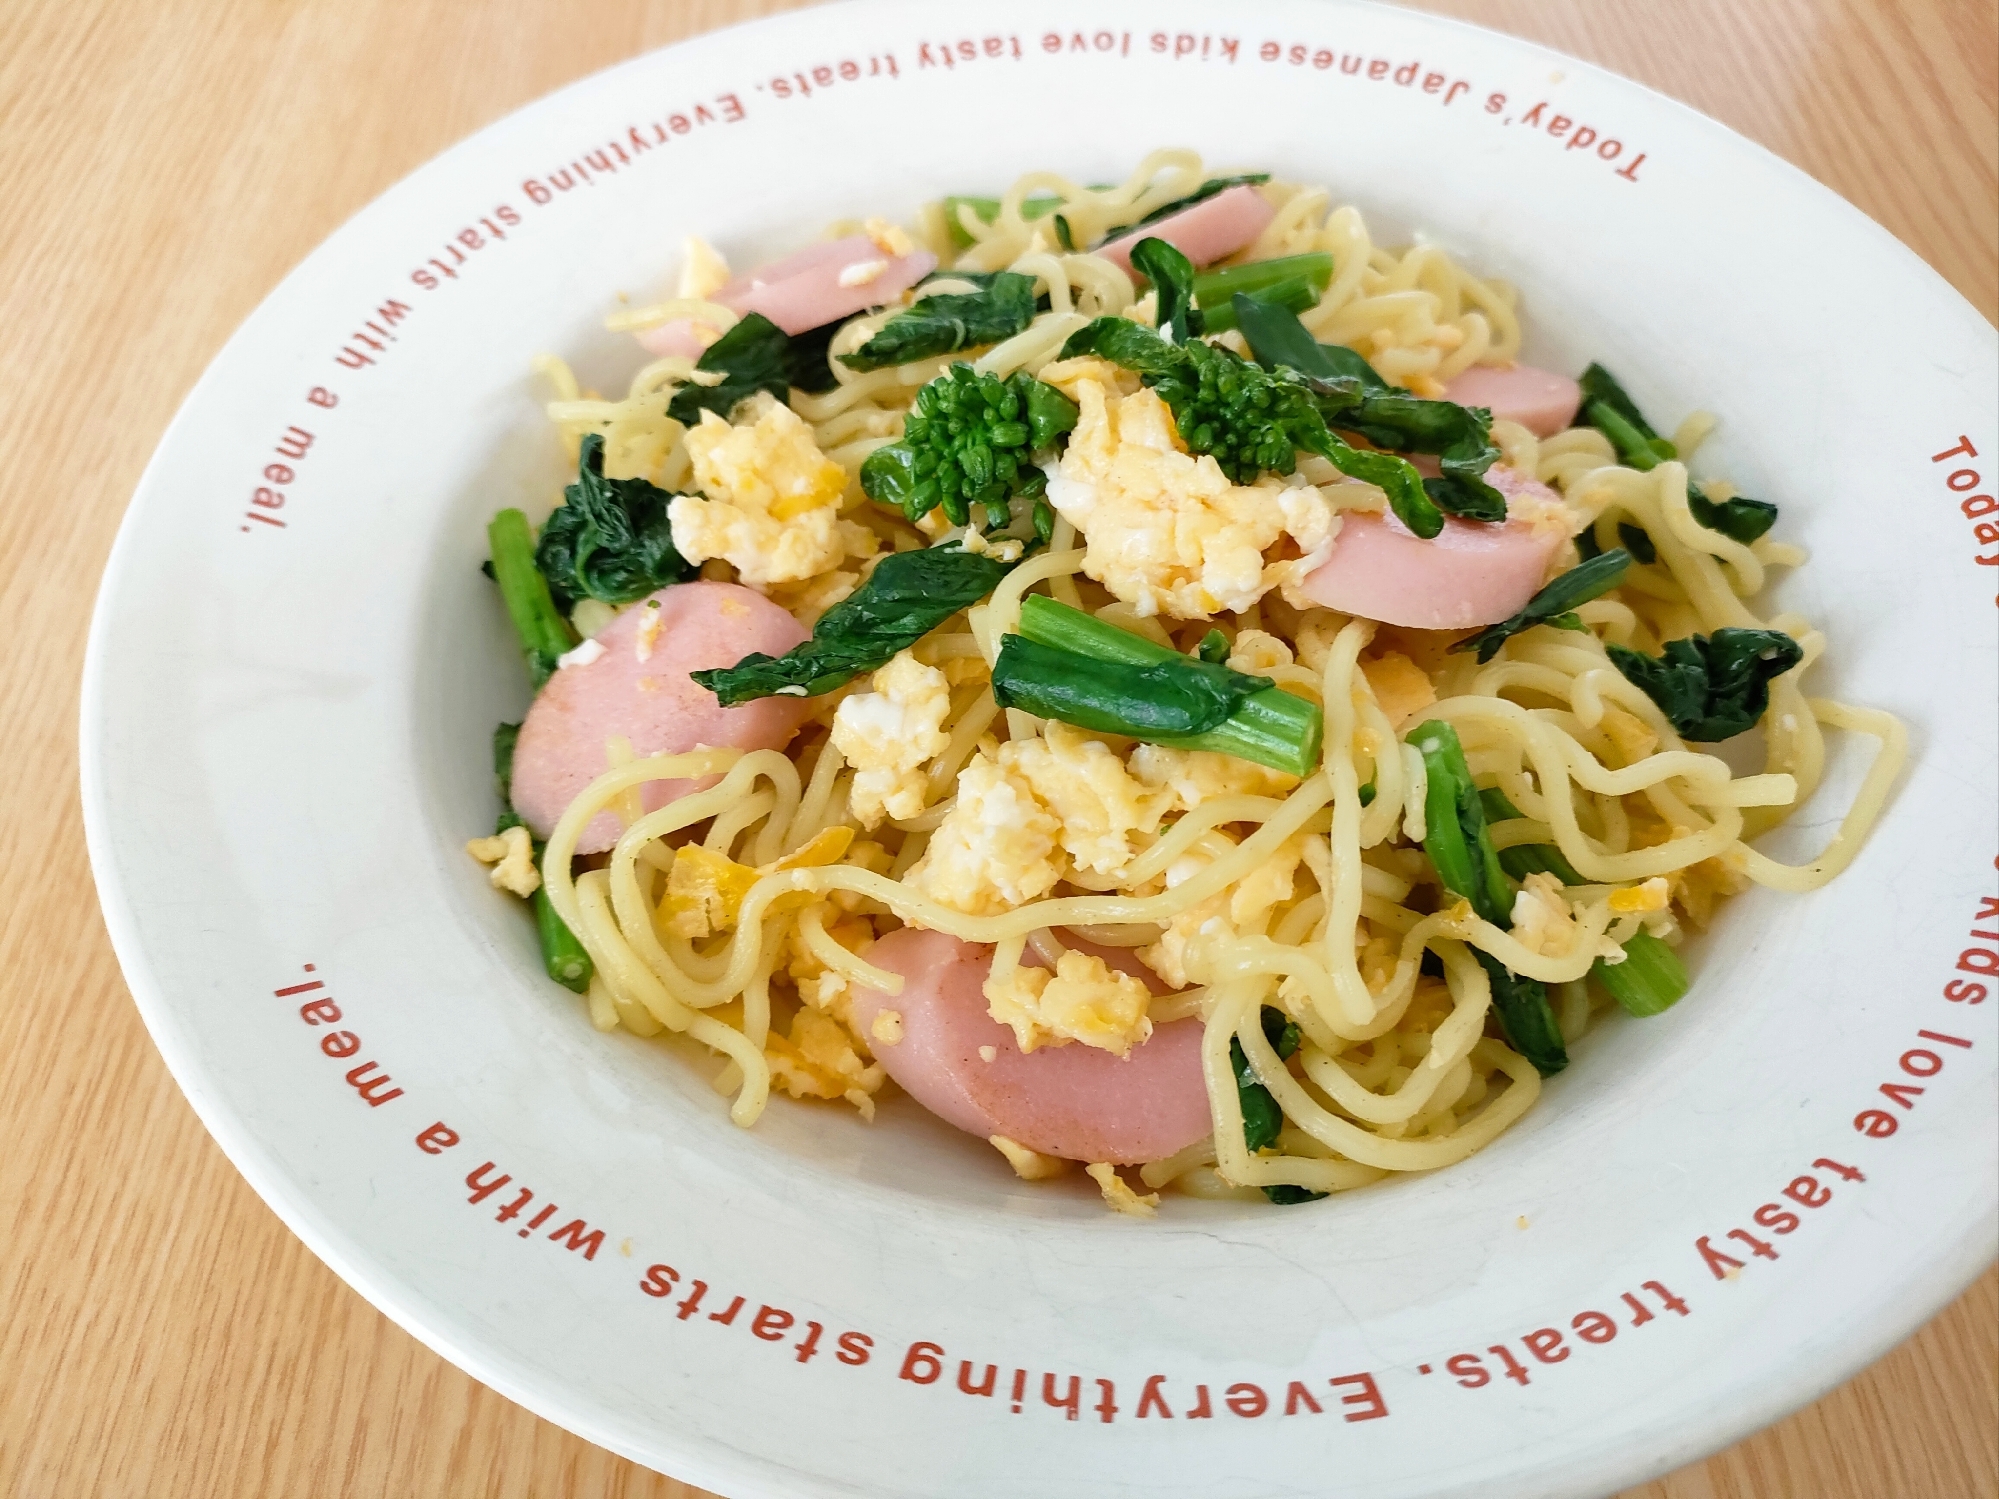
[(825, 282), (1211, 230), (638, 688), (1540, 400), (1471, 573), (1073, 1101)]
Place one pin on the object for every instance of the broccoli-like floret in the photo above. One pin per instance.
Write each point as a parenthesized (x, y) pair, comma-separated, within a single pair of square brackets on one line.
[(1249, 418), (970, 439)]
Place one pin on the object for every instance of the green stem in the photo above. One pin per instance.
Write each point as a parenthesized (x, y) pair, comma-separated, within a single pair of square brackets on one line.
[(1454, 831), (1294, 282), (1271, 727), (561, 954), (1650, 979), (544, 633)]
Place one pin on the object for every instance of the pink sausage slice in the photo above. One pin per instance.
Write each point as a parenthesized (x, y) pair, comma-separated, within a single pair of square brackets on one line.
[(1072, 1101), (1540, 400), (803, 291), (1211, 230), (1470, 573), (651, 702)]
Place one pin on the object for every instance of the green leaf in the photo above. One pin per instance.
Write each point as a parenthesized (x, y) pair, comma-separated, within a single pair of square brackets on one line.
[(754, 355), (1637, 542), (806, 363), (1285, 1195), (949, 321), (1740, 519), (1262, 1119), (504, 738), (1172, 278), (1600, 389), (1556, 600), (1523, 1009), (1124, 342), (609, 539), (1172, 698), (1280, 341), (1711, 687), (907, 596)]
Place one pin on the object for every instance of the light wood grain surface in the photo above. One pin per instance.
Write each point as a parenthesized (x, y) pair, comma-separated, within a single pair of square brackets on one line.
[(161, 167)]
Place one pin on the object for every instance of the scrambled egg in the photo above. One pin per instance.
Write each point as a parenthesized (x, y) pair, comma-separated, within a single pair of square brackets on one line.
[(1191, 777), (1028, 1165), (1166, 532), (1639, 900), (1120, 1196), (512, 856), (823, 988), (772, 506), (1084, 999), (887, 736), (817, 1059), (1245, 906), (1401, 688), (1629, 733), (705, 890), (1027, 814), (703, 271), (1542, 919)]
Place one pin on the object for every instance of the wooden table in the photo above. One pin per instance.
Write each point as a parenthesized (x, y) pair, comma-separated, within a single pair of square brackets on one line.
[(161, 167)]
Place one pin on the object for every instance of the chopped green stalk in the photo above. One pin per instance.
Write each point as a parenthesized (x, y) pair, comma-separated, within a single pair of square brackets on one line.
[(1526, 858), (1455, 835), (1601, 390), (1459, 845), (1270, 727), (561, 954), (1650, 979), (1212, 289), (1294, 296), (545, 635)]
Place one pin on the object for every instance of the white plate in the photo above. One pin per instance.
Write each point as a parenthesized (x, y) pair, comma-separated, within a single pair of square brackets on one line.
[(285, 732)]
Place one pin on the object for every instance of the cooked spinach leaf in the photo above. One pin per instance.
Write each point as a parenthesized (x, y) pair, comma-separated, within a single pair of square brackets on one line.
[(1172, 278), (1201, 194), (1164, 699), (908, 595), (1712, 687), (1555, 604), (1262, 1119), (949, 321), (609, 539), (752, 356)]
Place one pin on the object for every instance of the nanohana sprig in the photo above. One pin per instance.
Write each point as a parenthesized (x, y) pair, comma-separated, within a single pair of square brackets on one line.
[(970, 439)]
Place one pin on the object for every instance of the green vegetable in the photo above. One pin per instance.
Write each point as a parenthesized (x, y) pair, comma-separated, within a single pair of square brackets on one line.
[(544, 634), (1526, 858), (1262, 1119), (908, 595), (1638, 542), (1555, 604), (949, 321), (1711, 687), (806, 361), (1456, 839), (970, 439), (1650, 979), (1266, 725), (562, 956), (1354, 398), (1164, 700), (1249, 418), (754, 355), (1172, 278), (609, 539), (1613, 413), (1295, 282)]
